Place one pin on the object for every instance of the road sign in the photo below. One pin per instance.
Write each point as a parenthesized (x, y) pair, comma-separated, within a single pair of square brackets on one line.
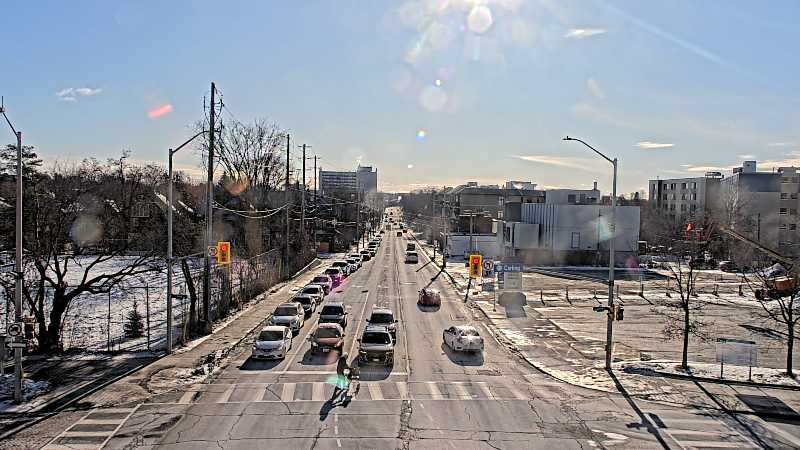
[(212, 251), (223, 252), (488, 267), (475, 265), (15, 329), (508, 267), (17, 344), (512, 281)]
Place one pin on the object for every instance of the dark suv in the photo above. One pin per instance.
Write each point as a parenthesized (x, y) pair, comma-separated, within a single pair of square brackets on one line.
[(333, 312), (376, 346)]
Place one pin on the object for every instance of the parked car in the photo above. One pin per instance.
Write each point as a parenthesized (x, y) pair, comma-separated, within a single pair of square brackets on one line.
[(411, 246), (289, 315), (376, 346), (308, 302), (412, 258), (272, 342), (357, 257), (383, 317), (327, 337), (334, 312), (429, 297), (366, 255), (353, 264), (344, 266), (372, 251), (336, 275), (399, 234), (324, 282), (314, 290), (463, 338), (728, 266)]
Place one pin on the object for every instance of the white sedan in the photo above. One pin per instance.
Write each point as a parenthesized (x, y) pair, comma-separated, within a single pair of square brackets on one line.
[(464, 338)]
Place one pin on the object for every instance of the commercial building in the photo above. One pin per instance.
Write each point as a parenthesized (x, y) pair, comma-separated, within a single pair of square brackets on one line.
[(364, 179), (683, 198)]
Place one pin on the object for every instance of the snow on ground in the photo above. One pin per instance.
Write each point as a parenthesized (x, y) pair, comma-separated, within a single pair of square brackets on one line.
[(730, 372), (30, 389)]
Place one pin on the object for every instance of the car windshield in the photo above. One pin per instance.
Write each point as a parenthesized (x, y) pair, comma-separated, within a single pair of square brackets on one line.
[(375, 337), (470, 332), (270, 335), (332, 271), (331, 310), (321, 279), (303, 300), (311, 290), (327, 333), (381, 318), (284, 311)]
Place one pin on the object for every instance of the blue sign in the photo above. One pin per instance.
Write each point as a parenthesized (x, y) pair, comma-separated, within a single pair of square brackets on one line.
[(507, 267)]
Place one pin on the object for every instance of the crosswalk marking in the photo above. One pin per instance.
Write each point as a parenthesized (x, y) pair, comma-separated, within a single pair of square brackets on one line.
[(287, 394), (434, 390), (713, 433), (226, 395), (462, 392), (402, 389), (517, 394), (80, 434), (486, 391), (318, 392), (187, 397), (375, 391)]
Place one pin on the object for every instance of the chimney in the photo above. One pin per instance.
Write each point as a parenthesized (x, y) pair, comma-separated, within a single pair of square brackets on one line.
[(594, 187)]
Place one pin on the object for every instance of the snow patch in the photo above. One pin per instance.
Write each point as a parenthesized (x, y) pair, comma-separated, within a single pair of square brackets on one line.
[(765, 375), (30, 389)]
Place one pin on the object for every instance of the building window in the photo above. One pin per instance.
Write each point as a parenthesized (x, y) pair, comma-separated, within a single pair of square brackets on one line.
[(683, 206), (792, 226), (674, 196), (499, 214), (784, 195), (793, 195), (672, 186), (782, 226), (683, 185), (666, 196), (571, 199), (672, 207), (793, 211), (694, 196), (693, 207), (694, 185), (683, 196), (786, 180), (576, 240), (783, 211)]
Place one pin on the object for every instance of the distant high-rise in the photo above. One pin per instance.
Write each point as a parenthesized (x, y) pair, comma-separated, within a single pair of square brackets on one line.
[(364, 179)]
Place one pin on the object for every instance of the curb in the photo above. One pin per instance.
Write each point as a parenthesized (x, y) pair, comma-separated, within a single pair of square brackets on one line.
[(715, 380)]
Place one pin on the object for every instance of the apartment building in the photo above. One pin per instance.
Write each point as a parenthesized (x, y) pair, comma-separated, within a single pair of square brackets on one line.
[(683, 198)]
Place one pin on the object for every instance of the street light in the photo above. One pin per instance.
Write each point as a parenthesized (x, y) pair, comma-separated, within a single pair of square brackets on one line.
[(18, 262), (169, 241), (612, 230)]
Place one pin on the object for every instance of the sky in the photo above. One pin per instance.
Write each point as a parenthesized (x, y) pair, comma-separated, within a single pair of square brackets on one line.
[(431, 92)]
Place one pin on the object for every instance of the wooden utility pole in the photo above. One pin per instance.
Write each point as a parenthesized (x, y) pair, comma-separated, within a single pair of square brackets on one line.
[(209, 215)]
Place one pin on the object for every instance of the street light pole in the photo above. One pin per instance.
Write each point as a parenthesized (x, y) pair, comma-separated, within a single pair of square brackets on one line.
[(169, 240), (612, 231), (18, 261)]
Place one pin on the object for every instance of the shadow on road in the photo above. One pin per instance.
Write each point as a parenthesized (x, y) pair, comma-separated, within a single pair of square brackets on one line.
[(644, 421), (311, 358), (258, 364), (463, 358), (515, 312), (428, 308), (369, 372)]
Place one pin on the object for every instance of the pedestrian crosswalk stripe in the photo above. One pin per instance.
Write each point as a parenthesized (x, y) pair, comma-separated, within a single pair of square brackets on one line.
[(486, 391), (402, 389), (187, 397), (80, 434), (287, 394), (375, 391), (226, 395), (318, 392), (517, 394), (435, 394), (462, 392)]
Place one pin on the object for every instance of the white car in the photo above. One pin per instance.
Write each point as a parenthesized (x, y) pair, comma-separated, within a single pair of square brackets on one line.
[(357, 257), (464, 338), (412, 258), (314, 290), (272, 342), (289, 315), (344, 266)]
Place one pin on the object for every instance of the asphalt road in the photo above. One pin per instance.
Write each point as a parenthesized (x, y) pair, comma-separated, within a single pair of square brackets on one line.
[(432, 398)]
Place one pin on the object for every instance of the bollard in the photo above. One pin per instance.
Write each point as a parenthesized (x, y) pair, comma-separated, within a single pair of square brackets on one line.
[(568, 295), (595, 295), (716, 290), (740, 290)]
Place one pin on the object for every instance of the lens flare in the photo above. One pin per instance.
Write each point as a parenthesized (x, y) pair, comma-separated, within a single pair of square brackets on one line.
[(410, 166), (480, 19), (160, 111), (421, 135)]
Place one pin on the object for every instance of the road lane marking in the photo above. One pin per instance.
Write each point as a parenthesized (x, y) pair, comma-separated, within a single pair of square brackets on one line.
[(287, 394), (402, 388), (434, 391), (318, 391), (516, 393), (375, 391), (486, 391), (226, 396)]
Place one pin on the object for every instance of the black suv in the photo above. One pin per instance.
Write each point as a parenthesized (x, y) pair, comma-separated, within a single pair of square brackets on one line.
[(376, 346), (333, 312)]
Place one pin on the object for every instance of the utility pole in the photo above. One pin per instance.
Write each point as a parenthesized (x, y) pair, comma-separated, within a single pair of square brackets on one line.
[(18, 260), (358, 218), (209, 215), (303, 209), (315, 179), (286, 205)]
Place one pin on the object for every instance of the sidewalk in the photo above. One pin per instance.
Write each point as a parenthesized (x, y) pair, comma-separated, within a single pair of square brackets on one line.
[(579, 360)]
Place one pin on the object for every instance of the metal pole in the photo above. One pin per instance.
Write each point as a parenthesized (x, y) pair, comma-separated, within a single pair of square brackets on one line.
[(18, 266), (612, 231), (169, 256), (147, 312), (209, 215), (286, 205), (108, 323), (303, 202)]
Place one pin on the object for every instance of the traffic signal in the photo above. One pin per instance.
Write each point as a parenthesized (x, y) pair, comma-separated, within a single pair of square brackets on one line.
[(620, 313), (223, 252), (475, 266)]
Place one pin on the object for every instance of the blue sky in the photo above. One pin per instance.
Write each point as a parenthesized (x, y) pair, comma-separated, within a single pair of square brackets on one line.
[(670, 88)]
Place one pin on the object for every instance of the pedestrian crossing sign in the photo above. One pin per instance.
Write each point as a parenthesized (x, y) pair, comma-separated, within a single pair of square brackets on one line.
[(223, 252)]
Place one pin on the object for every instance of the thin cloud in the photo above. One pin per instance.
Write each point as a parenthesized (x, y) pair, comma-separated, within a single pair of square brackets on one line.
[(595, 89), (558, 161), (580, 33), (652, 145), (780, 144), (72, 94), (693, 168), (160, 111), (747, 156)]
